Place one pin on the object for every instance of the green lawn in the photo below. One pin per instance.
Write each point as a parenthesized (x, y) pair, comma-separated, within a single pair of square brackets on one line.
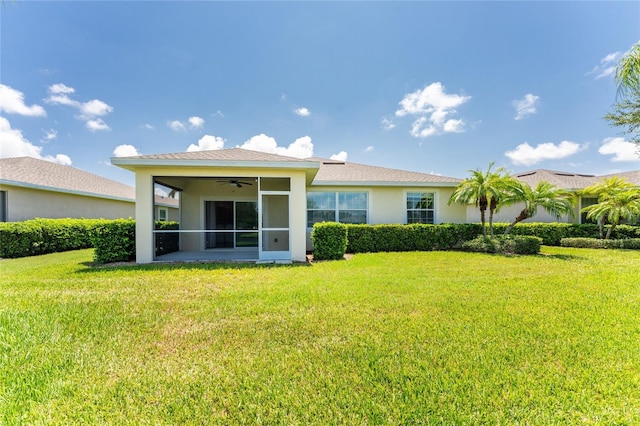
[(389, 338)]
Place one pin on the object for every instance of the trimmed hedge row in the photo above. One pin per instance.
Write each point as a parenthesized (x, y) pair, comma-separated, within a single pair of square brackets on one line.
[(329, 240), (115, 241), (553, 233), (42, 236), (509, 244), (629, 243)]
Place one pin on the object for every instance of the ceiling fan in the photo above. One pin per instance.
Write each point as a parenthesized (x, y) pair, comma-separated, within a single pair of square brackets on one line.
[(234, 182)]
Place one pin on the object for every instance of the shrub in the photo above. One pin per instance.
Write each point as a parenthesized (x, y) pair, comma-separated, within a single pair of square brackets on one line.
[(628, 243), (115, 241), (166, 242), (329, 240), (41, 236), (510, 244)]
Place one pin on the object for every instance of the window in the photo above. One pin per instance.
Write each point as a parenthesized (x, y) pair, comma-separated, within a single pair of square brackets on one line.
[(345, 207), (163, 214), (3, 206), (420, 207), (233, 224)]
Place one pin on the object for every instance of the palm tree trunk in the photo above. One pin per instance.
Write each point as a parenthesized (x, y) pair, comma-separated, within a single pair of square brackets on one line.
[(482, 219), (610, 230), (522, 216), (601, 227)]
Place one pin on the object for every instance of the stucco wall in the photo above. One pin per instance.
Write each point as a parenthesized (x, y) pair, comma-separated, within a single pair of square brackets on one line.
[(27, 203)]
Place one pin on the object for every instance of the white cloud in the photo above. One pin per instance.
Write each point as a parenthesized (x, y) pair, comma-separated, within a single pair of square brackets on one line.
[(14, 144), (525, 154), (88, 111), (207, 143), (176, 125), (12, 102), (370, 148), (218, 113), (387, 123), (125, 151), (432, 106), (607, 66), (621, 149), (50, 135), (148, 126), (196, 122), (300, 148), (341, 156), (96, 124), (302, 112), (525, 106)]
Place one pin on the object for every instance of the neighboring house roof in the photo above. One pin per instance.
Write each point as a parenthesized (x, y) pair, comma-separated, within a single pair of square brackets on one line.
[(45, 175), (333, 172), (33, 173), (572, 181)]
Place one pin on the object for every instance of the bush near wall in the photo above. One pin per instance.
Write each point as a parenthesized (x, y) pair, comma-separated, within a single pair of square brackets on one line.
[(552, 233), (42, 236), (115, 241), (628, 243), (329, 240)]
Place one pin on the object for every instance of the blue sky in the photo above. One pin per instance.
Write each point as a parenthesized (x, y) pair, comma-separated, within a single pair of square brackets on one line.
[(433, 87)]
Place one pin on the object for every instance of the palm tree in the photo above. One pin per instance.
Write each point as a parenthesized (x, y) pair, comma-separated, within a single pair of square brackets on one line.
[(485, 190), (628, 72), (552, 199), (617, 199)]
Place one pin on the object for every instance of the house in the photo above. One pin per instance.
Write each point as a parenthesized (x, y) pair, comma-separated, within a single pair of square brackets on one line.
[(572, 182), (32, 188), (241, 204)]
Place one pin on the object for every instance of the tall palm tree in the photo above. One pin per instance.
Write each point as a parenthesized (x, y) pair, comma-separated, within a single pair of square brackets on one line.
[(615, 196), (628, 72), (552, 199), (485, 190)]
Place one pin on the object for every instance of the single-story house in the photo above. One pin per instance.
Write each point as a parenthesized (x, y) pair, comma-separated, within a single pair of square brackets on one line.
[(242, 204), (248, 205), (31, 188)]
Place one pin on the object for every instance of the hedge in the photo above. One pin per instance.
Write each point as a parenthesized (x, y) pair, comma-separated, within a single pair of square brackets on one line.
[(329, 240), (628, 243), (115, 241), (552, 233), (506, 244), (42, 236)]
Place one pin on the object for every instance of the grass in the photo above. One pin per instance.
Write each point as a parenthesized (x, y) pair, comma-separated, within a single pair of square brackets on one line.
[(389, 338)]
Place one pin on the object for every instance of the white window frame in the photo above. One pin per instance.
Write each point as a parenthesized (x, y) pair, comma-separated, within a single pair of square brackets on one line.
[(337, 209), (407, 209), (164, 210)]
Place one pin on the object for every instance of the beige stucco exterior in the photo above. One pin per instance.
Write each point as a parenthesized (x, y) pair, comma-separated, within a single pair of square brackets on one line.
[(30, 203), (200, 184)]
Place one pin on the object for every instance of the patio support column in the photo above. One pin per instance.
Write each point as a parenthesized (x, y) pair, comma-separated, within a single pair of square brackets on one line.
[(298, 217), (144, 217)]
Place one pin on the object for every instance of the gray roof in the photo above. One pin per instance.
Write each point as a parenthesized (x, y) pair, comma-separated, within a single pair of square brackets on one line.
[(342, 173), (41, 174), (570, 180), (230, 154)]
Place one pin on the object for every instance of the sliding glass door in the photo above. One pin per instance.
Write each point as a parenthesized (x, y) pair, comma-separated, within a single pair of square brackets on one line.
[(233, 224)]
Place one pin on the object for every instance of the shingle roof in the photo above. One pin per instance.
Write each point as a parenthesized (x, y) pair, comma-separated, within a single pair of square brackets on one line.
[(230, 154), (48, 175), (569, 180), (565, 180), (338, 172)]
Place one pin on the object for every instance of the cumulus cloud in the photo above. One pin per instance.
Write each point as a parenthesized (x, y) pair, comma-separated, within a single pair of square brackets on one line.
[(526, 106), (525, 154), (370, 148), (300, 148), (387, 124), (433, 107), (621, 149), (302, 112), (125, 151), (341, 156), (196, 122), (207, 143), (89, 111), (176, 125), (12, 102), (14, 144), (49, 135), (606, 67)]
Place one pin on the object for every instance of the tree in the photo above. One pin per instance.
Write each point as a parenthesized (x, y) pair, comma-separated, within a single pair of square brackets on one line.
[(552, 199), (485, 190), (626, 112), (617, 199)]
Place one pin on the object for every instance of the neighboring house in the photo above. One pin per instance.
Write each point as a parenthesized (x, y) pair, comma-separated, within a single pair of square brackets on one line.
[(241, 204), (32, 188), (572, 182)]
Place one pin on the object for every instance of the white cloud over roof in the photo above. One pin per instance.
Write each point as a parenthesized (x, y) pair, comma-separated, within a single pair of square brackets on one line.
[(526, 106), (525, 154), (433, 107), (341, 156), (621, 149), (14, 144), (196, 122), (300, 148), (89, 111), (302, 112), (207, 143), (12, 102), (125, 151)]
